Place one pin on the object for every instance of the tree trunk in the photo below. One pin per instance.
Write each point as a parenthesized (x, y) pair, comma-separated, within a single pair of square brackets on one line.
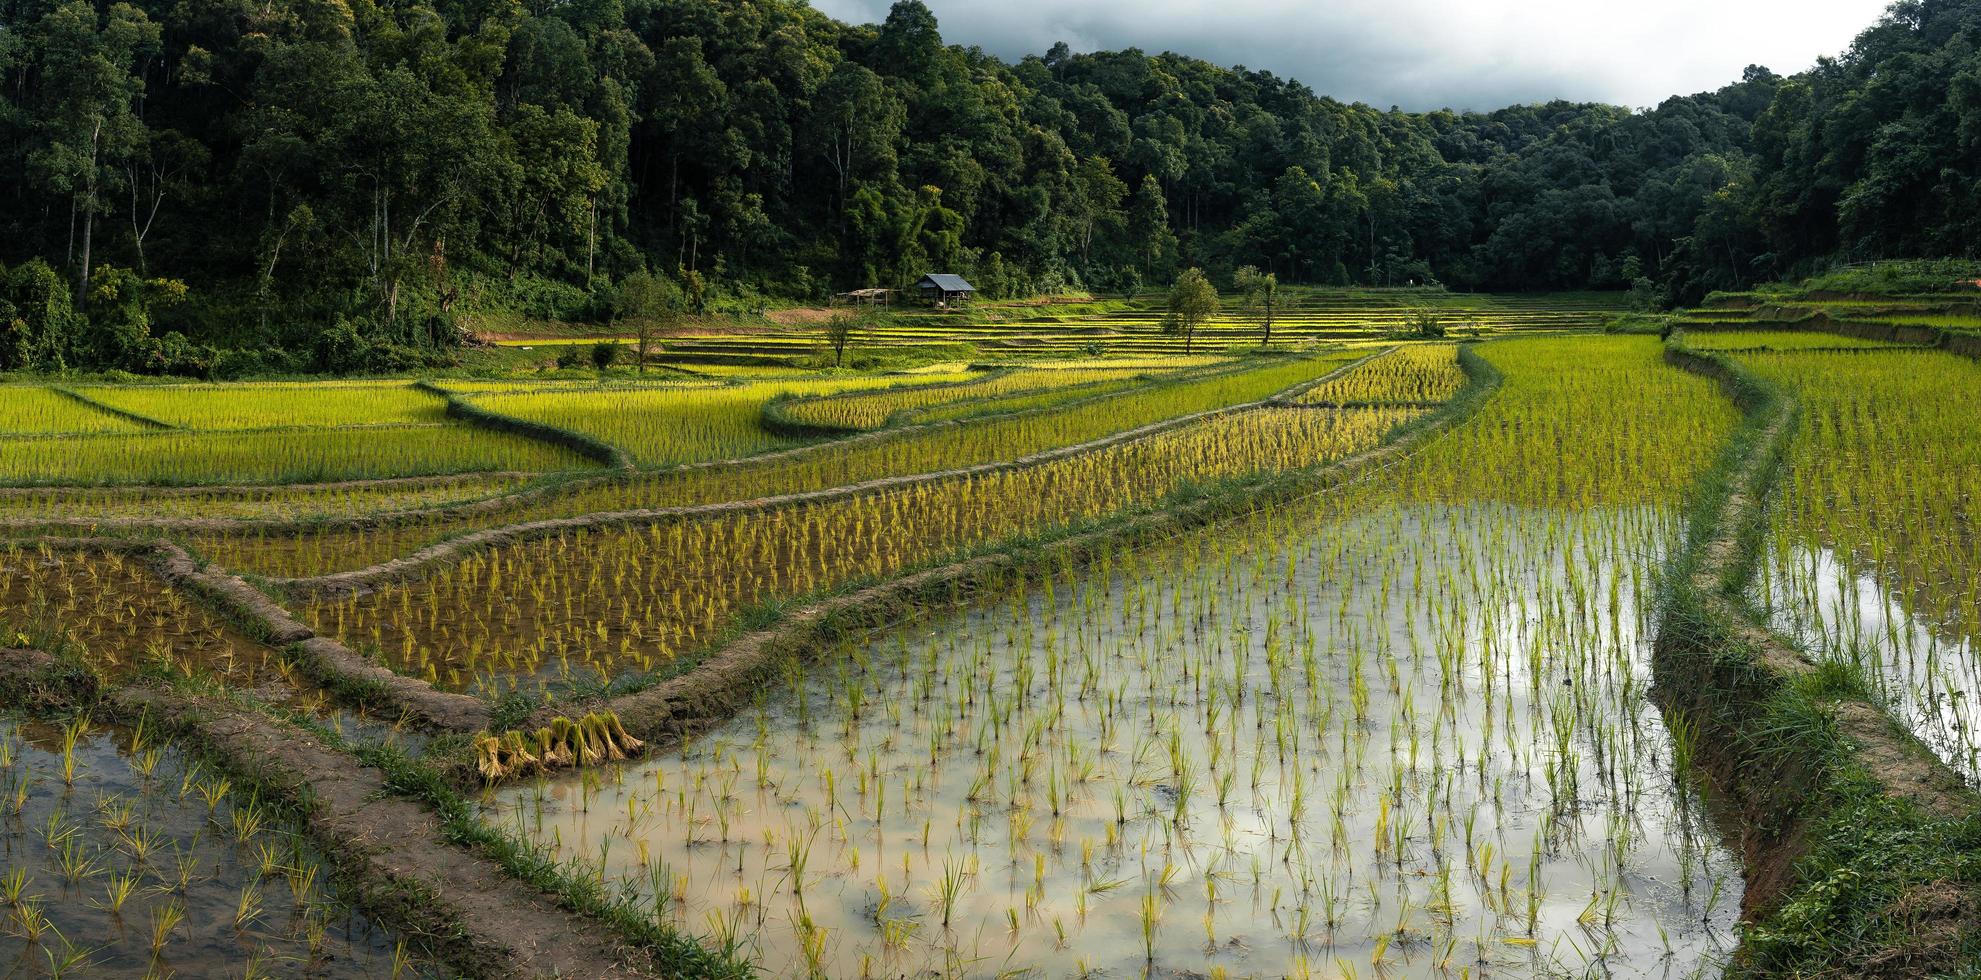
[(89, 232), (1372, 246), (137, 233), (591, 241), (89, 211)]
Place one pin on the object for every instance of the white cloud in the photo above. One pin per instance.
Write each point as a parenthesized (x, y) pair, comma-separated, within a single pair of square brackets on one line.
[(1422, 54)]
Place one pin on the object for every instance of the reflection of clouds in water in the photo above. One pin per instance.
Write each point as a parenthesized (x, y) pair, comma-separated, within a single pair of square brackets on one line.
[(1931, 682), (1067, 752)]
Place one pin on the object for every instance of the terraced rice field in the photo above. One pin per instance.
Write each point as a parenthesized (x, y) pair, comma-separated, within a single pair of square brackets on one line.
[(1875, 554), (1135, 333), (262, 406), (873, 410), (1331, 660), (125, 856), (585, 606), (177, 458), (299, 502), (1958, 322), (252, 434), (986, 440), (1422, 374), (1338, 318), (1400, 726), (1921, 316), (1781, 340), (121, 617), (661, 425), (26, 410)]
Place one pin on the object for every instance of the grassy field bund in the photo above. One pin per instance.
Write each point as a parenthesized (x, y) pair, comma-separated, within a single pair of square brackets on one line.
[(1022, 645), (1115, 329)]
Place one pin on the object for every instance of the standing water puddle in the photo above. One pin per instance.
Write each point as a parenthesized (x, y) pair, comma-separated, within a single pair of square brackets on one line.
[(1396, 741), (123, 856), (1929, 680)]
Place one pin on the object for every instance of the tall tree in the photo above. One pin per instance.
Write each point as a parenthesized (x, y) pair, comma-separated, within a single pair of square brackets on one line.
[(1192, 301), (909, 44), (1148, 225), (839, 332), (383, 165), (650, 302), (164, 167), (90, 89), (1097, 196), (856, 128), (1260, 291)]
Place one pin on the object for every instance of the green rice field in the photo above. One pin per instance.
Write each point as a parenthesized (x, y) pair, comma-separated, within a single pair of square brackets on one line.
[(1364, 654)]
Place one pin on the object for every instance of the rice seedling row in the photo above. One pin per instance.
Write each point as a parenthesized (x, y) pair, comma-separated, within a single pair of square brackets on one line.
[(1875, 554), (124, 856), (112, 609), (1398, 729), (292, 502), (29, 410), (689, 423), (877, 409), (312, 552), (1415, 374), (587, 605), (180, 457)]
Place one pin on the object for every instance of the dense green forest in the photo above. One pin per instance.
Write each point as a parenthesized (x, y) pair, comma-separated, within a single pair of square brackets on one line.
[(227, 186)]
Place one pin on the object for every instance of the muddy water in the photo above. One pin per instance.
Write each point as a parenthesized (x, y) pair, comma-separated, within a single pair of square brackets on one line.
[(189, 846), (1927, 674), (1397, 741)]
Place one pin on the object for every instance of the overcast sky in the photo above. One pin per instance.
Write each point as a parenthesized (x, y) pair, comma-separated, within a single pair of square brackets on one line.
[(1424, 54)]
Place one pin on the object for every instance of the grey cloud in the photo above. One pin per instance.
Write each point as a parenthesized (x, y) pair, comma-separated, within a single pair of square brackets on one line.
[(1423, 54)]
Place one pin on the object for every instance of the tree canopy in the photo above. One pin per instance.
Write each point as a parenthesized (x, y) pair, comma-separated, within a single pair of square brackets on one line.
[(329, 172), (1192, 300)]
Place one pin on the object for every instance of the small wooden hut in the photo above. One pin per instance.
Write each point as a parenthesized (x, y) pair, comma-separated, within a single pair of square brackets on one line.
[(943, 289), (867, 297)]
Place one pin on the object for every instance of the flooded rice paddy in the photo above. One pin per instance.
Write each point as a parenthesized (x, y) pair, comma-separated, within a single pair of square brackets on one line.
[(1924, 672), (1874, 561), (124, 856), (1403, 741), (1396, 730)]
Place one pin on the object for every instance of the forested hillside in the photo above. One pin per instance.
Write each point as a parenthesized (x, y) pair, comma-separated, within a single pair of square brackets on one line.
[(327, 184)]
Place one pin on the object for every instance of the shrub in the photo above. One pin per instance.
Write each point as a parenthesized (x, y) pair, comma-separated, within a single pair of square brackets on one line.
[(1906, 276), (173, 354), (604, 353), (39, 324), (229, 365), (341, 348)]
